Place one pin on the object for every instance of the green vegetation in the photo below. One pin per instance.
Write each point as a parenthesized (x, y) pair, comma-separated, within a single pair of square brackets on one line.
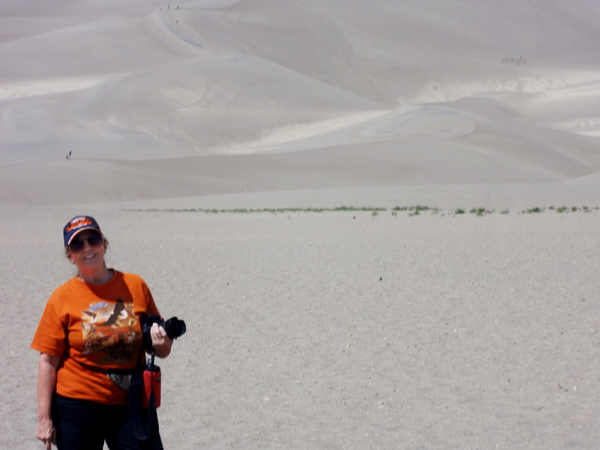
[(535, 210), (411, 210), (481, 211), (263, 210), (416, 210)]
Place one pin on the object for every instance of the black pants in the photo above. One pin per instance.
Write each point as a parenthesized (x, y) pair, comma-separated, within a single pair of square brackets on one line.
[(85, 425)]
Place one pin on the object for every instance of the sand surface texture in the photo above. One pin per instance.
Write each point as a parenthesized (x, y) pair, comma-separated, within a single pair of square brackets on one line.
[(343, 330), (355, 329)]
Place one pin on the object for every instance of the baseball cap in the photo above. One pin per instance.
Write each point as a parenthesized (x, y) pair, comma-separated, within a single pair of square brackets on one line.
[(78, 224)]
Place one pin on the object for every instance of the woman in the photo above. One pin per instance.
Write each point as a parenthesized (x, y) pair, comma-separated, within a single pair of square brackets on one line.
[(89, 329)]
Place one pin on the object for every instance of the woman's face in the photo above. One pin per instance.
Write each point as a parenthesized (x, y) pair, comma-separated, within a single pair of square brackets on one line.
[(90, 257)]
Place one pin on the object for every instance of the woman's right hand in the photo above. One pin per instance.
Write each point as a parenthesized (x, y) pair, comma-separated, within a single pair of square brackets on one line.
[(45, 388), (46, 432)]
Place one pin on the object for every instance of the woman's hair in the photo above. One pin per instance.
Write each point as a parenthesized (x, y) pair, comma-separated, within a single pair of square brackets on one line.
[(68, 248)]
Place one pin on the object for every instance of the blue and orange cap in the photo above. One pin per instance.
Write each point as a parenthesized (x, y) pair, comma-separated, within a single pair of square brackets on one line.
[(77, 225)]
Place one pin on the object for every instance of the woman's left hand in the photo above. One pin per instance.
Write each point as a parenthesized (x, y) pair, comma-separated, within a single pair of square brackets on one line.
[(160, 341)]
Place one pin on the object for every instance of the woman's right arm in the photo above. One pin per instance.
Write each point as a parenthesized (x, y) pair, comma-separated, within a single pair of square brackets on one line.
[(48, 367)]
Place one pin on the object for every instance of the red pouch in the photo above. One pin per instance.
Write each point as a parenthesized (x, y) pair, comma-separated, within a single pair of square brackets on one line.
[(151, 385)]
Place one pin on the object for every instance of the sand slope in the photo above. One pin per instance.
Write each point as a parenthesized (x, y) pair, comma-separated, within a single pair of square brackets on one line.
[(455, 92)]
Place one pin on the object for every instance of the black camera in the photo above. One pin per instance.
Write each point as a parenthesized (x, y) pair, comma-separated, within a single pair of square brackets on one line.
[(174, 328)]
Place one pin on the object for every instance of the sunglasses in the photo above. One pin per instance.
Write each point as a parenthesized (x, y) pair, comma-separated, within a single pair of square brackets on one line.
[(94, 240)]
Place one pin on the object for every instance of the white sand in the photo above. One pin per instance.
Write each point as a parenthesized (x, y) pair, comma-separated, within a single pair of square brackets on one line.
[(341, 330), (482, 331), (435, 92)]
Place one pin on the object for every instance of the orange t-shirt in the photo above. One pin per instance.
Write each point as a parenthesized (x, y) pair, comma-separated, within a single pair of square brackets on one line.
[(94, 328)]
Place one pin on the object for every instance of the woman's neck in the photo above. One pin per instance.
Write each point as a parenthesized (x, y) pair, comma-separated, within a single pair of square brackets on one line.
[(100, 276)]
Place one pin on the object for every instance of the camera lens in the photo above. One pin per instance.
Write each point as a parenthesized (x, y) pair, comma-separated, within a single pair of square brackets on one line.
[(175, 327)]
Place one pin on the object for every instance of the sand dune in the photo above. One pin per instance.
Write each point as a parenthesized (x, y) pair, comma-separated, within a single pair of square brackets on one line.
[(504, 93)]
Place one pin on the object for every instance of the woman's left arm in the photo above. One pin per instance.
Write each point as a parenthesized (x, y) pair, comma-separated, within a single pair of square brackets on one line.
[(160, 341)]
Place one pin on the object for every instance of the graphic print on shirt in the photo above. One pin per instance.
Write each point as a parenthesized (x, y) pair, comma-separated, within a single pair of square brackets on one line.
[(112, 331)]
